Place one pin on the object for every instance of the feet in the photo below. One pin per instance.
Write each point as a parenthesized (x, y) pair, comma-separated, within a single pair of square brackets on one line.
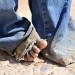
[(40, 44)]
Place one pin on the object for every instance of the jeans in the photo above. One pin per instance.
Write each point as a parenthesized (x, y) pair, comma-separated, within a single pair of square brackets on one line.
[(48, 17), (12, 27), (51, 20)]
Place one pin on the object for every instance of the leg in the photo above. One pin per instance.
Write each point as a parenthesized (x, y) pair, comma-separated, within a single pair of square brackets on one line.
[(51, 18), (13, 28), (11, 25)]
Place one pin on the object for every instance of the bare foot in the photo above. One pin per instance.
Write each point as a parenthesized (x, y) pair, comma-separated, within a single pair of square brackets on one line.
[(40, 44)]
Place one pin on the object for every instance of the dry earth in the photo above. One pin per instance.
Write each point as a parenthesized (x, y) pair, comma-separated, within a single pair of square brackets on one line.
[(9, 66)]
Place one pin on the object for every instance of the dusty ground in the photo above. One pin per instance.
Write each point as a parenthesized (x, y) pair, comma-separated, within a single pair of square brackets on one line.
[(9, 66), (73, 10)]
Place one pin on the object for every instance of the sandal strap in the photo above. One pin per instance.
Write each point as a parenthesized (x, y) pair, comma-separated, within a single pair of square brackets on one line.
[(27, 44)]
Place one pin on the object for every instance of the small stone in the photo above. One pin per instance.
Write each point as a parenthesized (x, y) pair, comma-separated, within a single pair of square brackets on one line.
[(44, 68), (37, 60), (37, 64), (45, 64)]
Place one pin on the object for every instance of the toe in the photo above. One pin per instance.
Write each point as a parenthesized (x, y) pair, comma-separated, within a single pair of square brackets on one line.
[(41, 43), (33, 54), (36, 49), (29, 57)]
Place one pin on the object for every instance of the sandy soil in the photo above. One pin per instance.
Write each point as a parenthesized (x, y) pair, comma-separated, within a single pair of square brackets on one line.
[(73, 10)]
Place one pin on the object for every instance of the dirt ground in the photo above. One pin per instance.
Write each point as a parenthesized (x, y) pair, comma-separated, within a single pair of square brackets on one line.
[(9, 66), (73, 10)]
